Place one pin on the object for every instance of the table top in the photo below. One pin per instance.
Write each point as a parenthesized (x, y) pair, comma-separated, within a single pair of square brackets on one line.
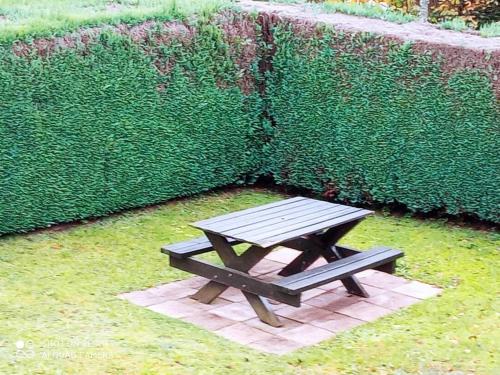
[(281, 221)]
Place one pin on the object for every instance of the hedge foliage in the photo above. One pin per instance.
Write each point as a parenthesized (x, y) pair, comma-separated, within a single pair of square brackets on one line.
[(130, 117), (474, 12), (364, 120), (98, 128)]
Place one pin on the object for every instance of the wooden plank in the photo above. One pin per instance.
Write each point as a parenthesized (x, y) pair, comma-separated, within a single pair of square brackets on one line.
[(337, 264), (284, 220), (236, 214), (300, 263), (263, 309), (299, 224), (353, 286), (296, 223), (346, 251), (224, 249), (185, 244), (339, 273), (210, 291), (232, 277), (192, 248), (303, 231), (337, 270), (259, 218), (327, 241)]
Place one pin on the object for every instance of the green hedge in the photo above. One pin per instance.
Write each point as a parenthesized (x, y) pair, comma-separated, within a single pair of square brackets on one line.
[(97, 128), (121, 121), (365, 120)]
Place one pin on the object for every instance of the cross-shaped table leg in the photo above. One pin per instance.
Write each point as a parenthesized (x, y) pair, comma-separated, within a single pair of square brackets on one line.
[(315, 246), (241, 263)]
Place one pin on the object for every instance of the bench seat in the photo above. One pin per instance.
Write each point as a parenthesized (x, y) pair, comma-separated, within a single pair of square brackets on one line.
[(337, 270), (191, 247)]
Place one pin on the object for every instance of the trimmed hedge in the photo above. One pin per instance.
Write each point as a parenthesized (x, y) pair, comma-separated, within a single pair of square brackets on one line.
[(364, 119), (111, 123), (121, 117)]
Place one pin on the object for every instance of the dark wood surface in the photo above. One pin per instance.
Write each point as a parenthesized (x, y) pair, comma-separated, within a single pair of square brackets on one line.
[(277, 222), (235, 278), (192, 247), (313, 227), (337, 270)]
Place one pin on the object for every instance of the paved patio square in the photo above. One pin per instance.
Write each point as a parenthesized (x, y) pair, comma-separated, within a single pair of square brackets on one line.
[(325, 311)]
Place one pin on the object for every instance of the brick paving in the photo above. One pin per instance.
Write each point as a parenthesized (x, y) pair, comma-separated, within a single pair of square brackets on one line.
[(325, 311)]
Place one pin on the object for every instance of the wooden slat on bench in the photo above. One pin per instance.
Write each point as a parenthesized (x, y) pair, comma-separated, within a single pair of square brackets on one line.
[(192, 247), (342, 268), (233, 277)]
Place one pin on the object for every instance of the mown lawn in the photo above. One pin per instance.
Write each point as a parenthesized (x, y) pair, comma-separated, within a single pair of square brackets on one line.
[(58, 296), (19, 18)]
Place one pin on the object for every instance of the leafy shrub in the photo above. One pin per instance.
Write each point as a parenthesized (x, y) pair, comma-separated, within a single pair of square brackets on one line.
[(113, 123), (361, 119), (473, 12)]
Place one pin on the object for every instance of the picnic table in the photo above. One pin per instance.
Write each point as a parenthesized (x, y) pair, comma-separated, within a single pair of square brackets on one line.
[(310, 226)]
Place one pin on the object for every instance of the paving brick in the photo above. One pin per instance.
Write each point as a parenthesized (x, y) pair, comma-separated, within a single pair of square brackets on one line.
[(392, 301), (331, 286), (327, 310), (303, 314), (218, 302), (337, 323), (233, 295), (333, 301), (174, 309), (243, 334), (276, 345), (195, 282), (266, 266), (365, 273), (383, 280), (364, 311), (142, 298), (235, 311), (209, 321), (372, 291), (270, 276), (283, 255), (172, 291), (287, 324), (307, 334), (417, 289), (308, 294)]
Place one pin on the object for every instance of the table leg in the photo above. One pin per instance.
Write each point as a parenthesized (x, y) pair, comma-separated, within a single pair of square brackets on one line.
[(241, 263), (262, 309), (210, 291), (330, 253), (315, 246)]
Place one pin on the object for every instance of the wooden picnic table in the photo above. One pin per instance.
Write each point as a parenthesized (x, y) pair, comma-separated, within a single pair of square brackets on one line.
[(311, 226)]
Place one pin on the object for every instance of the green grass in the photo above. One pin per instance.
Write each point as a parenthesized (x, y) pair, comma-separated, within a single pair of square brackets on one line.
[(58, 293), (42, 17), (367, 10), (456, 24), (490, 30)]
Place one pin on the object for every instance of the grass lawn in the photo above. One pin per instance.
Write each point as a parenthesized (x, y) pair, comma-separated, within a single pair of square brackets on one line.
[(39, 17), (58, 294)]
